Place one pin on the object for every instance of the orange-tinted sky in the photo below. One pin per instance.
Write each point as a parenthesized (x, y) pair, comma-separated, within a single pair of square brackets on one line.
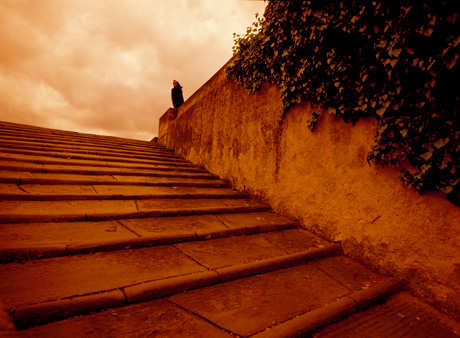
[(106, 66)]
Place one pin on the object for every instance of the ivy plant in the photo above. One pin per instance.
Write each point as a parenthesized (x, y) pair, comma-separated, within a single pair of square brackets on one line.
[(395, 60)]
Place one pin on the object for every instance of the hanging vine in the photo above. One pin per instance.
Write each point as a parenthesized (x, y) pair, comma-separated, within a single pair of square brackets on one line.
[(396, 61)]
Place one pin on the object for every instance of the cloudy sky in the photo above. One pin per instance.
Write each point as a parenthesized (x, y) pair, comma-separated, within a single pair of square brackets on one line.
[(106, 66)]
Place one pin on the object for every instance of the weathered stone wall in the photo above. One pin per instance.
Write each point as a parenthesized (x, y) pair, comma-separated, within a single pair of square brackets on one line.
[(323, 180)]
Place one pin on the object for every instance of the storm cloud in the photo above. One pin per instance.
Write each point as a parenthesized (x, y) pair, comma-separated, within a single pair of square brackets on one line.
[(107, 66)]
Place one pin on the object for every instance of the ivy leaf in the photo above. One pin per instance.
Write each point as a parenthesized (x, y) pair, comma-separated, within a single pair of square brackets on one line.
[(427, 156), (382, 128), (424, 168), (396, 51), (441, 142), (382, 110), (450, 64), (427, 32), (409, 50), (445, 162), (448, 189)]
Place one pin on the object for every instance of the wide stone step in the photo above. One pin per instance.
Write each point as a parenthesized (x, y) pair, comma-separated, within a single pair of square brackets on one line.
[(96, 210), (117, 172), (21, 147), (44, 192), (163, 318), (49, 178), (37, 155), (145, 273), (82, 142), (147, 152), (99, 163), (77, 153), (258, 305), (38, 133), (243, 303), (41, 240)]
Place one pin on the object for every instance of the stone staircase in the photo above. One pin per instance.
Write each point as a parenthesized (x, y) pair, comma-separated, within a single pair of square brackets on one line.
[(108, 237)]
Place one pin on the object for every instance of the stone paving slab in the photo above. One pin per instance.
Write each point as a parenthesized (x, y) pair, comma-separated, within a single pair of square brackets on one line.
[(208, 223), (147, 227), (303, 324), (148, 152), (90, 144), (62, 232), (39, 133), (98, 170), (84, 210), (251, 220), (76, 287), (77, 140), (210, 180), (400, 316), (21, 177), (77, 192), (348, 272), (134, 266), (230, 251), (42, 313), (58, 137), (49, 211), (158, 318), (250, 305), (295, 240), (24, 145), (128, 318), (108, 156), (20, 241), (223, 252), (101, 162), (178, 191), (247, 306), (7, 189), (39, 281)]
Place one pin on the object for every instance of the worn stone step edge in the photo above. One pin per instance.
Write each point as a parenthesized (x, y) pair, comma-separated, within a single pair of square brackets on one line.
[(22, 129), (99, 197), (87, 142), (215, 183), (165, 167), (42, 313), (14, 128), (91, 170), (154, 160), (147, 148), (19, 218), (104, 142), (82, 154), (82, 148), (14, 254), (311, 321)]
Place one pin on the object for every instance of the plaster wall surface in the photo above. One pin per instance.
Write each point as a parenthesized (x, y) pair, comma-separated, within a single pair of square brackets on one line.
[(323, 180)]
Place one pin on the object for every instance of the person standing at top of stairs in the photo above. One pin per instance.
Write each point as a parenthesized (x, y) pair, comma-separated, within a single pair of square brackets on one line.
[(176, 94)]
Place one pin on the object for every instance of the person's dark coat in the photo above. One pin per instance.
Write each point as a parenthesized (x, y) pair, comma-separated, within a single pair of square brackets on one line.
[(176, 96)]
